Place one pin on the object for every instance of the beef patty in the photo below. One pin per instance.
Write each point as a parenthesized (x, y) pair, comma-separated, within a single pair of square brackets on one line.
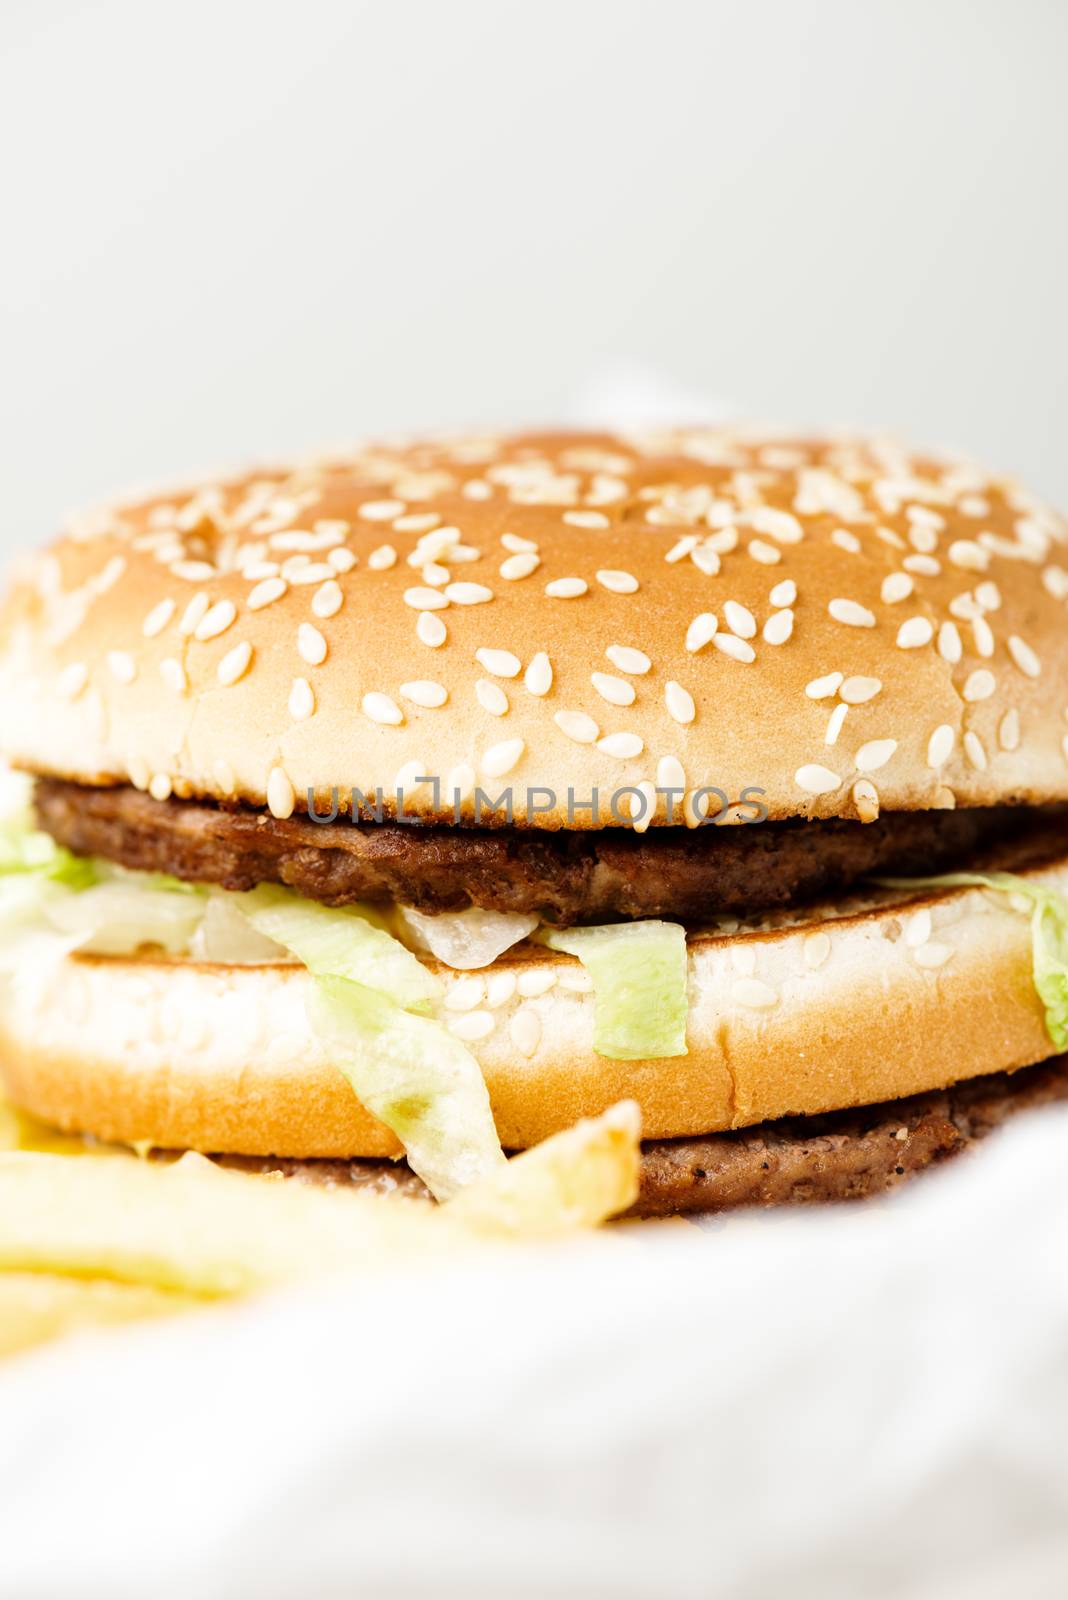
[(842, 1155), (562, 876)]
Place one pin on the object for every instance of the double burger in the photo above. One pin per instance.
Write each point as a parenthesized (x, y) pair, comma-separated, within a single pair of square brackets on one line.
[(403, 806)]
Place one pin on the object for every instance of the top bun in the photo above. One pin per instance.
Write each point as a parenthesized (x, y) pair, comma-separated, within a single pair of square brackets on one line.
[(834, 622)]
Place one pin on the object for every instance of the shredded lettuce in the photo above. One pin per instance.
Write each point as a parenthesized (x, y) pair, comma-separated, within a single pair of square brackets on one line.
[(340, 942), (25, 849), (414, 1076), (639, 985), (1049, 934)]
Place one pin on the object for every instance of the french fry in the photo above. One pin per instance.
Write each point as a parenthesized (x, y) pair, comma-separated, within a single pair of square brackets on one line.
[(38, 1306)]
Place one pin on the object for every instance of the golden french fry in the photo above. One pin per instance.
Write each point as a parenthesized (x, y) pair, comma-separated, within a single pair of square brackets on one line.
[(576, 1179), (37, 1306)]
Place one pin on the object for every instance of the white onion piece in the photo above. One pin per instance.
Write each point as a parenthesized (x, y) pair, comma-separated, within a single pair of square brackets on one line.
[(465, 939), (226, 936), (114, 919)]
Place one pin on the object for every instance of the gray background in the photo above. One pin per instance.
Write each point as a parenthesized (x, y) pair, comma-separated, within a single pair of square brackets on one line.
[(234, 231)]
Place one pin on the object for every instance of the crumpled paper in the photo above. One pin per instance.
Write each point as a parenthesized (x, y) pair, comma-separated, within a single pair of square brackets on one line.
[(856, 1401)]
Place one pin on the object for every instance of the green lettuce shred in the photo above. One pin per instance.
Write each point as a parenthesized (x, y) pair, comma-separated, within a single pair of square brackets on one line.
[(1049, 934), (639, 985)]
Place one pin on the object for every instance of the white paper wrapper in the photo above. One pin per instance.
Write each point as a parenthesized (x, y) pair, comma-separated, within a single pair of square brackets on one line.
[(866, 1401)]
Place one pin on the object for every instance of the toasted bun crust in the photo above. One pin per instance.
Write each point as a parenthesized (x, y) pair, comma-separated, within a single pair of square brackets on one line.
[(273, 634), (865, 1005)]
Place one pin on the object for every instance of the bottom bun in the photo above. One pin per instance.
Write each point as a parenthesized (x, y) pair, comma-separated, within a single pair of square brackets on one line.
[(846, 1006)]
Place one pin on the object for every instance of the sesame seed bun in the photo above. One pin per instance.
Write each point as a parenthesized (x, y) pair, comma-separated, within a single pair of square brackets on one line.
[(848, 1005), (837, 623)]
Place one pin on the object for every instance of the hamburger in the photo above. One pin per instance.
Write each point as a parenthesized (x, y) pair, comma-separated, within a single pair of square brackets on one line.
[(409, 804)]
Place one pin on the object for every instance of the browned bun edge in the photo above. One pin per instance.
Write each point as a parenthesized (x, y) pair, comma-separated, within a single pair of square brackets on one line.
[(849, 1010)]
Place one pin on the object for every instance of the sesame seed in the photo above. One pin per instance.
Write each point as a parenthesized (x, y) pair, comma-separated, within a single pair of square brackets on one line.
[(816, 949), (975, 750), (566, 588), (430, 630), (193, 614), (988, 595), (578, 726), (635, 662), (500, 987), (491, 697), (216, 620), (524, 1030), (158, 619), (1024, 656), (436, 576), (897, 586), (538, 677), (501, 758), (617, 691), (965, 553), (472, 1025), (621, 745), (423, 599), (382, 510), (407, 779), (701, 631), (834, 724), (670, 773), (780, 525), (1009, 730), (846, 541), (521, 565), (858, 691), (915, 633), (160, 786), (866, 800), (779, 627), (965, 606), (586, 519), (852, 614), (460, 783), (260, 569), (122, 666), (425, 692), (679, 702), (173, 674), (501, 663), (224, 776), (706, 560), (739, 619), (694, 807), (642, 811), (476, 489), (281, 796), (140, 776), (326, 602), (754, 994), (684, 547), (918, 928), (784, 593), (468, 594), (768, 555), (301, 700), (264, 593), (932, 955), (72, 680), (821, 688), (512, 541), (341, 560), (1055, 582), (617, 582), (533, 984), (815, 779), (923, 566), (309, 573), (979, 685), (737, 649), (382, 708), (875, 754), (193, 571), (984, 637), (466, 993), (950, 647), (940, 746), (311, 646), (234, 664), (382, 559)]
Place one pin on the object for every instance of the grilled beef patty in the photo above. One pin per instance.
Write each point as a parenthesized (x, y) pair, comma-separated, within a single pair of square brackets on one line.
[(842, 1155), (565, 877)]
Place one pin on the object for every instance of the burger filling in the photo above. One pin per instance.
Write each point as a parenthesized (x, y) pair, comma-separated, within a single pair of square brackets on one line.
[(110, 871)]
